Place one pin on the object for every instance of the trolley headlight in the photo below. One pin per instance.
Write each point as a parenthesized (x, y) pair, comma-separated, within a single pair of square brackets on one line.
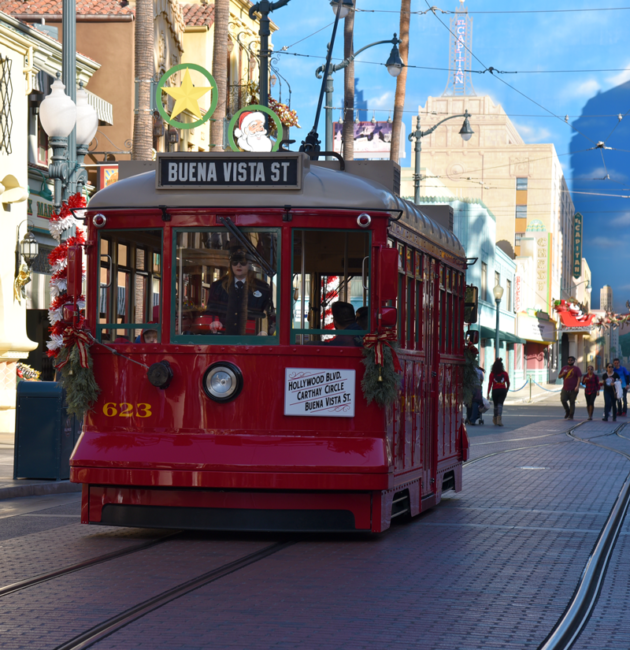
[(222, 381)]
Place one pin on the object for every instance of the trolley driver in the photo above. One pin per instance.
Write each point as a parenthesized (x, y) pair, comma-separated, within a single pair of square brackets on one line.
[(240, 300)]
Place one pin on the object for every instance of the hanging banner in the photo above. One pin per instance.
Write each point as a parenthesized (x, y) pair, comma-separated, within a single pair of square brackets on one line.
[(577, 245)]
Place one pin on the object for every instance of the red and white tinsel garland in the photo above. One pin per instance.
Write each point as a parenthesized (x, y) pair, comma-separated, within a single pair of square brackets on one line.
[(58, 258), (330, 288)]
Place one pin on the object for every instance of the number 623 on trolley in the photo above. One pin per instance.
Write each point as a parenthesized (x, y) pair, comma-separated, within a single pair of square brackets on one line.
[(126, 410)]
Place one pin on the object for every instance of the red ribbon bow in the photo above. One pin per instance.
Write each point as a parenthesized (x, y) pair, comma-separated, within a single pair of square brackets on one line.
[(377, 341), (72, 336)]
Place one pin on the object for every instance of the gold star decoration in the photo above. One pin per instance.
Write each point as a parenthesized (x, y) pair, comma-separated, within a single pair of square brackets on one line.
[(186, 96)]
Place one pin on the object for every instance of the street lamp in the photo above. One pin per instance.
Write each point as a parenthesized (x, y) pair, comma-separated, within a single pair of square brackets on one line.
[(394, 65), (466, 132), (27, 249), (498, 294), (59, 115), (341, 8)]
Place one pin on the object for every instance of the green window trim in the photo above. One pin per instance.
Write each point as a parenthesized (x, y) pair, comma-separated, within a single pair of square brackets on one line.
[(296, 331), (109, 326), (221, 339)]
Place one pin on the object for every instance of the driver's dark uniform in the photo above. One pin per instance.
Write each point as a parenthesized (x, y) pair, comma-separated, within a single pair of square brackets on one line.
[(240, 306)]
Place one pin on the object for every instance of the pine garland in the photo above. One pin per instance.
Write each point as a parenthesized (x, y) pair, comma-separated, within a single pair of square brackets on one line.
[(384, 392), (79, 383), (470, 378)]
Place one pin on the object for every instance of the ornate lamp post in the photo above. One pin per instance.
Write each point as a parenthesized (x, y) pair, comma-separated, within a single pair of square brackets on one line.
[(394, 65), (466, 132), (498, 294), (264, 8), (59, 115)]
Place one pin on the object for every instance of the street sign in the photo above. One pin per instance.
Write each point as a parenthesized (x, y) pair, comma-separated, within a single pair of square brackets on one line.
[(239, 171), (577, 245)]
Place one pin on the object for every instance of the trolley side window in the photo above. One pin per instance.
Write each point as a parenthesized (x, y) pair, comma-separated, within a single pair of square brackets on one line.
[(331, 287), (130, 286), (225, 286)]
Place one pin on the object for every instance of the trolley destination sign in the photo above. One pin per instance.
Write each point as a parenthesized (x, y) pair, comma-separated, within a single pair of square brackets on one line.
[(236, 171), (318, 392)]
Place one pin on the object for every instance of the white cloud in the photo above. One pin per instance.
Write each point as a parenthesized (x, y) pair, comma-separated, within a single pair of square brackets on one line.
[(623, 220), (585, 89), (384, 102), (533, 134), (606, 242), (620, 78)]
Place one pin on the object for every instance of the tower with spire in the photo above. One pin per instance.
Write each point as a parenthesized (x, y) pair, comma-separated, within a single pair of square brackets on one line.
[(460, 54)]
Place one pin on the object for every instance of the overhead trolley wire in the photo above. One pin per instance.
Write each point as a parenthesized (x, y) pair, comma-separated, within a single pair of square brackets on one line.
[(521, 11)]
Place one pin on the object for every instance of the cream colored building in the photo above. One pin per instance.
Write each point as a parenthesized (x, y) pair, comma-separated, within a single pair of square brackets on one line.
[(519, 182), (27, 57)]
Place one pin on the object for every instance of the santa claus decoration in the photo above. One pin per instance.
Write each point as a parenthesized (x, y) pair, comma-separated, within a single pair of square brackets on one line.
[(251, 134)]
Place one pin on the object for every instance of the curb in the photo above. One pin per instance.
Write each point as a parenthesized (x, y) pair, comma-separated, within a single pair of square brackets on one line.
[(39, 489)]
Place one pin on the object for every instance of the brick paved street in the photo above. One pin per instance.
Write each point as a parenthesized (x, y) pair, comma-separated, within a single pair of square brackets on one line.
[(491, 567)]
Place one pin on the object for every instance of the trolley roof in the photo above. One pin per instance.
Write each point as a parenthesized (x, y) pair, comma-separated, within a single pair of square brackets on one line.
[(322, 188)]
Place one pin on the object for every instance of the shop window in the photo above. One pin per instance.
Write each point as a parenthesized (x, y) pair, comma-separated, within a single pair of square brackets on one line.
[(129, 293), (225, 286), (330, 267)]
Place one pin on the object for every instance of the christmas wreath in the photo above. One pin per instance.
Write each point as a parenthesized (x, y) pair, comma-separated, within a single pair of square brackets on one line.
[(69, 342), (382, 377)]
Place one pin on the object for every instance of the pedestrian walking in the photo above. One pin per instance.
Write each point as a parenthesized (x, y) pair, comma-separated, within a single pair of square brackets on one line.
[(590, 381), (610, 392), (499, 383), (570, 387), (624, 376), (473, 412)]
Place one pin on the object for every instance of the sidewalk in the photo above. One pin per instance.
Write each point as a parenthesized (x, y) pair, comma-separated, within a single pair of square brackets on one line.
[(10, 488)]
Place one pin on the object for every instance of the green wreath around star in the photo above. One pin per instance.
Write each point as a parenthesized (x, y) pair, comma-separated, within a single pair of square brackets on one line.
[(186, 96)]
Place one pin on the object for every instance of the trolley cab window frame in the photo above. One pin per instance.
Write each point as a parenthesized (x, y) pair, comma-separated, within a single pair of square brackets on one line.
[(223, 339), (112, 272), (296, 332)]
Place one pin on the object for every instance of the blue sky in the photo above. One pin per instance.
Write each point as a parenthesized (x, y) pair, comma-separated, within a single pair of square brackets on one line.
[(593, 40)]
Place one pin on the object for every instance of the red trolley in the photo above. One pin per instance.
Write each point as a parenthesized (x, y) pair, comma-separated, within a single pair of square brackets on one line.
[(235, 290)]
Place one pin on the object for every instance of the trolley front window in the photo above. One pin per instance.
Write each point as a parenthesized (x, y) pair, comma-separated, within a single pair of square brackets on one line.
[(130, 287), (225, 286), (331, 287)]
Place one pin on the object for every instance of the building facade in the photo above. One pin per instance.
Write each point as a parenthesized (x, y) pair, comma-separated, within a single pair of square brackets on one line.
[(30, 58), (474, 225)]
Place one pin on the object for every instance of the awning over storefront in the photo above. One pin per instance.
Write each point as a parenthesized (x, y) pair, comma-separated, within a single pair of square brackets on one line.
[(536, 330), (489, 333), (104, 110)]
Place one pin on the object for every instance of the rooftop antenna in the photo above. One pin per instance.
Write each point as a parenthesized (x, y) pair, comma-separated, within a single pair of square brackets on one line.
[(460, 54)]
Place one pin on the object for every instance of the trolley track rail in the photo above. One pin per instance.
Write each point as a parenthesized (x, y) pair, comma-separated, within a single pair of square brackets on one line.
[(72, 568), (112, 625), (570, 625), (507, 451)]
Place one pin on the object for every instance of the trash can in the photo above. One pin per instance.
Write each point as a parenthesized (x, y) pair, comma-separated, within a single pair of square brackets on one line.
[(45, 434)]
